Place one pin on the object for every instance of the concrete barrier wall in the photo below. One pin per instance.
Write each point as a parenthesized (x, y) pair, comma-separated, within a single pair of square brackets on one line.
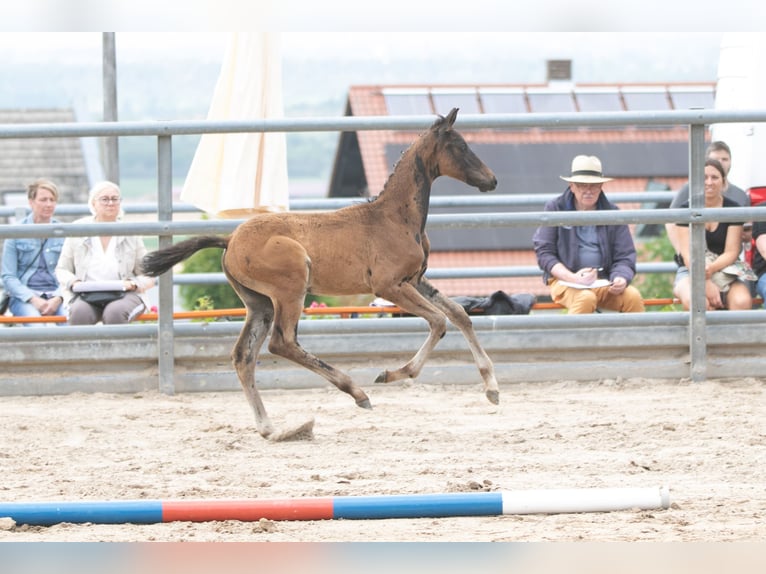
[(61, 360)]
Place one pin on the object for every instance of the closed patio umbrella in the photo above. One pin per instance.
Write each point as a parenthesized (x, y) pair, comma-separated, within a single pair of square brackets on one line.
[(239, 174)]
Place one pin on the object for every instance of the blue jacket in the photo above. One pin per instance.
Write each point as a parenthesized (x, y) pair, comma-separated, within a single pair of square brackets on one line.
[(21, 255), (558, 244)]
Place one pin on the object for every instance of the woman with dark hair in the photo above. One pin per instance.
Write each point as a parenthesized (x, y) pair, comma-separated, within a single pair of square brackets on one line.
[(725, 286)]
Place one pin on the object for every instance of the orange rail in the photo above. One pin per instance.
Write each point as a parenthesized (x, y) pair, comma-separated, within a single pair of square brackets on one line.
[(213, 313), (342, 311), (347, 311)]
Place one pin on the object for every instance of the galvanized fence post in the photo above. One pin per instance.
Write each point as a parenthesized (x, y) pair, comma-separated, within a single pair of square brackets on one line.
[(697, 321), (166, 352)]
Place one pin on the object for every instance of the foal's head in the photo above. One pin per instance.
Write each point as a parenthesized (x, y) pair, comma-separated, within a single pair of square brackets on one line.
[(455, 159)]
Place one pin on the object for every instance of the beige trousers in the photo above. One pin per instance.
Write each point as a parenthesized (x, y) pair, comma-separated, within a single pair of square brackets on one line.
[(578, 301)]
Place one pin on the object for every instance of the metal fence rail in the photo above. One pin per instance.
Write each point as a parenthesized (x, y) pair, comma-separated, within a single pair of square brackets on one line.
[(329, 203), (131, 346)]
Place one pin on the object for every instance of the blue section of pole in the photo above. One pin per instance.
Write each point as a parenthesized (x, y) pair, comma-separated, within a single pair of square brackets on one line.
[(109, 512), (418, 506)]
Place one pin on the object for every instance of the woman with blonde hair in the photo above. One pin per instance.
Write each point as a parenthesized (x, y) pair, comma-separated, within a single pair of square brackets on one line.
[(102, 274), (29, 263)]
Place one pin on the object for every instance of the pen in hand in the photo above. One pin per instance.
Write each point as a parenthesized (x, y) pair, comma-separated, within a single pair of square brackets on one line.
[(586, 271)]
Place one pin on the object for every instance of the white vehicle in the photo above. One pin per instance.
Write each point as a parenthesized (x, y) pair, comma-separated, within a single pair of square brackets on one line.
[(742, 86)]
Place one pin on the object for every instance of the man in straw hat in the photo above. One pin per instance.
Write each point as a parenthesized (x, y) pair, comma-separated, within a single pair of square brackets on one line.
[(588, 267)]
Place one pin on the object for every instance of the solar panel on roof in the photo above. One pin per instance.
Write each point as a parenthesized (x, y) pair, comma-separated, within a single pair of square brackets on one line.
[(550, 102), (684, 100), (445, 100), (408, 104), (503, 102), (645, 100), (599, 101)]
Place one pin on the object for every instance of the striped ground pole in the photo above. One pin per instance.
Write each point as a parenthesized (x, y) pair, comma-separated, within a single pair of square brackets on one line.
[(541, 501)]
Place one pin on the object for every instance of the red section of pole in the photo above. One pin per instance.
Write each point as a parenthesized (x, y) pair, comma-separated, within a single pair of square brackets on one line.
[(248, 510)]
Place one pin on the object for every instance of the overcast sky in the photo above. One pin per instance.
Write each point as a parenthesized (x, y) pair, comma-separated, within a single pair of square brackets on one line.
[(391, 15), (459, 57), (210, 46)]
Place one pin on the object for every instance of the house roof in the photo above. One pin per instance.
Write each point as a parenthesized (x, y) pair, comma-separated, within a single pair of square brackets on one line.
[(363, 161), (525, 160), (22, 160)]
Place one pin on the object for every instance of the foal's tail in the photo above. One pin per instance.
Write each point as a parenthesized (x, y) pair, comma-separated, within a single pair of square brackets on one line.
[(157, 262)]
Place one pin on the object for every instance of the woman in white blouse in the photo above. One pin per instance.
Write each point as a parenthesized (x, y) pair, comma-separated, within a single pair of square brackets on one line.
[(107, 260)]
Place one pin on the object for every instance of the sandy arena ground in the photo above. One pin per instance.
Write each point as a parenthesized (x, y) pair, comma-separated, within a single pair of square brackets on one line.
[(706, 441)]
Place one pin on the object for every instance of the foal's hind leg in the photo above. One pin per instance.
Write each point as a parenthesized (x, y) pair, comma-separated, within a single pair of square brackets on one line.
[(260, 314), (280, 269), (284, 342), (458, 317)]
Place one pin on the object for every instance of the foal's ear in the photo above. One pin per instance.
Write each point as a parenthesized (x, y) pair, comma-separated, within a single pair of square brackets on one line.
[(451, 116), (445, 123)]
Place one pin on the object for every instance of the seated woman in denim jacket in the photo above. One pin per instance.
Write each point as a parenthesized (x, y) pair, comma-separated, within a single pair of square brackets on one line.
[(29, 263)]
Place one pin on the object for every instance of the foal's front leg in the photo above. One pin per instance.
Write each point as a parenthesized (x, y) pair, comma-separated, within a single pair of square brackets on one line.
[(458, 317), (407, 298)]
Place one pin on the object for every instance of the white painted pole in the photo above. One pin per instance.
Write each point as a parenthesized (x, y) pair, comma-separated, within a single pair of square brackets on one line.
[(565, 500)]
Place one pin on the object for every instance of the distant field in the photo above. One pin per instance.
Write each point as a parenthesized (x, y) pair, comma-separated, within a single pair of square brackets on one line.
[(145, 189)]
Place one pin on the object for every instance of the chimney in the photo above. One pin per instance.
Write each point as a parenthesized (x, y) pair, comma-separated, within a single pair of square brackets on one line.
[(559, 71)]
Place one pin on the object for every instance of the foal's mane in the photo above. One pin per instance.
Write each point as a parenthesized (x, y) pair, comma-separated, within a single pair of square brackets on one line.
[(435, 126)]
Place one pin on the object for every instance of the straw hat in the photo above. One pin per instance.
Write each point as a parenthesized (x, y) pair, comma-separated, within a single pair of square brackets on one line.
[(586, 169)]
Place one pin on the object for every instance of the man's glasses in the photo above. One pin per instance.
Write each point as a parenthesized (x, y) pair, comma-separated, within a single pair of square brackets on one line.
[(108, 200)]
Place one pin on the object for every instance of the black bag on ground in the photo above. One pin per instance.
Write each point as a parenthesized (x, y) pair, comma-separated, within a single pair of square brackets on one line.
[(101, 299), (499, 303)]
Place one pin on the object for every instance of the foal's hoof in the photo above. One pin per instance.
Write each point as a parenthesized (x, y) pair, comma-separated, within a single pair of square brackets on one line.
[(304, 431), (493, 397), (365, 404), (382, 377)]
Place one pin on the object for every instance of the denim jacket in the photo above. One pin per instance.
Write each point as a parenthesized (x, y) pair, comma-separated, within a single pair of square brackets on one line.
[(20, 256)]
